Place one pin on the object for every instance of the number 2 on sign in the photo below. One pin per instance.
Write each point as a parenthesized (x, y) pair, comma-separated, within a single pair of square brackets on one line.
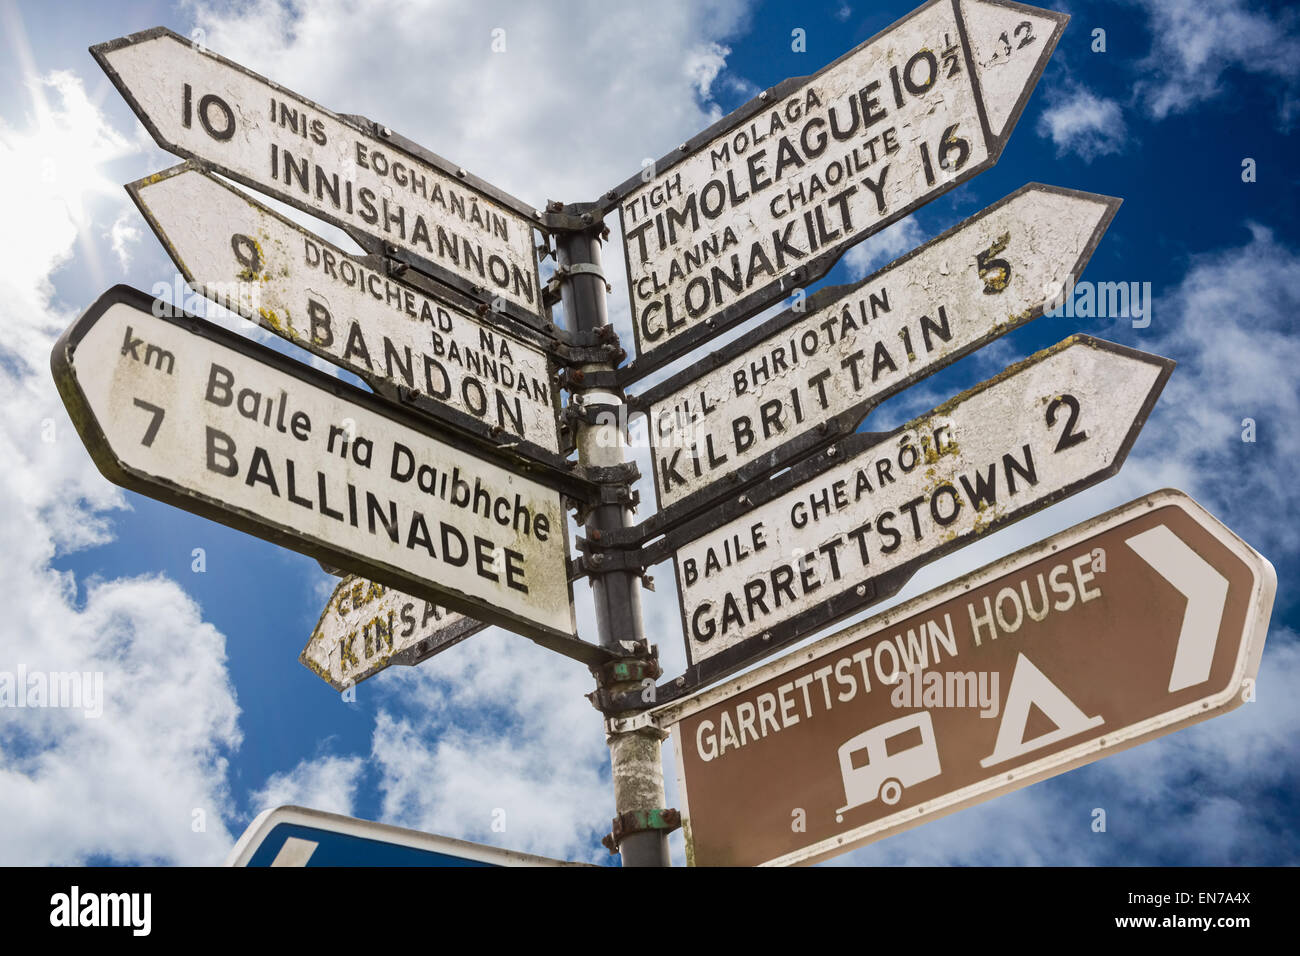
[(1069, 437)]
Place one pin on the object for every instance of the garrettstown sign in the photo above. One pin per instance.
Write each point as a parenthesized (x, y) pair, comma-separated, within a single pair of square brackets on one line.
[(1129, 626), (845, 529)]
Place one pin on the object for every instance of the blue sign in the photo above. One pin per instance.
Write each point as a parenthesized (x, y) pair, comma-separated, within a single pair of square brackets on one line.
[(296, 836)]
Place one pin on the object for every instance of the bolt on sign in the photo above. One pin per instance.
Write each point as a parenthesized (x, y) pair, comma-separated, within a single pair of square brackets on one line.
[(367, 627), (1127, 627), (767, 199), (849, 527), (196, 416), (239, 253), (817, 370), (455, 226)]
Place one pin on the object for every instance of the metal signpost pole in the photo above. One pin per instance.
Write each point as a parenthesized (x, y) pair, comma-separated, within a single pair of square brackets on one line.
[(635, 757)]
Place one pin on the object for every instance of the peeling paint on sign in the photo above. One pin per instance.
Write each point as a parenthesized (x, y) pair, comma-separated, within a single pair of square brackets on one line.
[(199, 105), (367, 627), (843, 530), (768, 199), (824, 367), (274, 272)]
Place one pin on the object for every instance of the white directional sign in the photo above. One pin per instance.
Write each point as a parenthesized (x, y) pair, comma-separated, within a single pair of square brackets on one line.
[(767, 200), (847, 528), (199, 417), (366, 628), (1130, 626), (243, 255), (197, 104), (818, 369)]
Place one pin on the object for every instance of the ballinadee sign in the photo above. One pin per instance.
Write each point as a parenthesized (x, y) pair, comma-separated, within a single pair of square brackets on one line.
[(768, 199), (197, 104), (186, 412)]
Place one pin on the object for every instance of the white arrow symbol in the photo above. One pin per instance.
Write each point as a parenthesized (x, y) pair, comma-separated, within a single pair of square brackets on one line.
[(1206, 591)]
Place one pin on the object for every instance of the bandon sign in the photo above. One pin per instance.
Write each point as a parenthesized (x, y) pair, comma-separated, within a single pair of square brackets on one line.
[(199, 105), (1134, 624), (815, 371), (186, 412), (767, 200), (479, 376), (849, 527)]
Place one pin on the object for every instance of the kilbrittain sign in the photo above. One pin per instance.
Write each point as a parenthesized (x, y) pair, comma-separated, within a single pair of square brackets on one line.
[(186, 412), (849, 527), (198, 105), (739, 412), (1127, 627), (769, 198), (243, 255), (366, 628)]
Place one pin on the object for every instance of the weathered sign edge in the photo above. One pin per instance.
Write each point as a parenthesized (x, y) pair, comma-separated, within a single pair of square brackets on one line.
[(526, 211), (1259, 610), (840, 605), (96, 443), (444, 414), (668, 517)]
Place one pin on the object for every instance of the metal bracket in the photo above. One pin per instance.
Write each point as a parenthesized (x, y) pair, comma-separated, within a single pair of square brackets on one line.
[(639, 821), (562, 273), (575, 378), (591, 414), (574, 217), (621, 474)]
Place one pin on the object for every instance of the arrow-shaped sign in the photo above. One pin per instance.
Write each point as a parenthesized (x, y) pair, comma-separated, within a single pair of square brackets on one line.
[(811, 374), (1070, 650), (186, 412), (469, 370), (366, 628), (849, 527), (358, 177), (767, 199)]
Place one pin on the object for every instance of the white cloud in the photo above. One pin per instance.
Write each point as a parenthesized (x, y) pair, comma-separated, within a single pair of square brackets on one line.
[(1083, 123), (325, 783), (123, 234), (703, 66), (1196, 44), (146, 781), (888, 244)]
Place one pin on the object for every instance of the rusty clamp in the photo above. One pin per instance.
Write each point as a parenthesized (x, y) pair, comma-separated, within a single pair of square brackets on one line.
[(639, 821)]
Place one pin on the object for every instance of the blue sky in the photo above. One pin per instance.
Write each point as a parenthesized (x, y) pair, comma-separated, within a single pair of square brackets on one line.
[(208, 715)]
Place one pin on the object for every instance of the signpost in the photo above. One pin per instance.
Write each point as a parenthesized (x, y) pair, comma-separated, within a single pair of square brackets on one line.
[(1130, 626), (848, 528), (468, 370), (766, 200), (295, 836), (188, 413), (366, 628), (357, 176), (443, 493), (812, 374)]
